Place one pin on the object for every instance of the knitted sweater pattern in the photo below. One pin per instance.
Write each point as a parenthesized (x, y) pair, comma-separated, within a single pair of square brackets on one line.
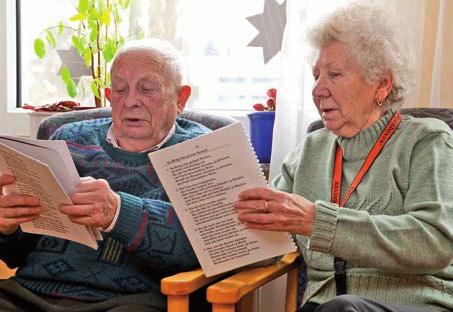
[(396, 230), (146, 244)]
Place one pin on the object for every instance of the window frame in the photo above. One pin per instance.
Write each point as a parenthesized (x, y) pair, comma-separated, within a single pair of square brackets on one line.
[(14, 120)]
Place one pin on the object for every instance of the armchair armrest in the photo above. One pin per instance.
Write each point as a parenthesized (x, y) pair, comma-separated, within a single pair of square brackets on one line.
[(178, 287), (224, 295)]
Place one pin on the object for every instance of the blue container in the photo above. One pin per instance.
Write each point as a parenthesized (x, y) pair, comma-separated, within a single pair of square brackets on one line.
[(261, 131)]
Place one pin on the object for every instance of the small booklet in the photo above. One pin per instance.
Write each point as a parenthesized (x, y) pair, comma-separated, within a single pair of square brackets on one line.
[(203, 177), (44, 168)]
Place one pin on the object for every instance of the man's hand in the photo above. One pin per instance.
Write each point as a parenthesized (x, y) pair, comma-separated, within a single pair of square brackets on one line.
[(15, 209), (94, 203)]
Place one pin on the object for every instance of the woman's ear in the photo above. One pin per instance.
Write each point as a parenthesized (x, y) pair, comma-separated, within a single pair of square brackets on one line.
[(184, 92), (384, 87)]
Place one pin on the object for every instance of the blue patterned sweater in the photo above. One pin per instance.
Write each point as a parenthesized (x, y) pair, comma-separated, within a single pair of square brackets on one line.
[(146, 244)]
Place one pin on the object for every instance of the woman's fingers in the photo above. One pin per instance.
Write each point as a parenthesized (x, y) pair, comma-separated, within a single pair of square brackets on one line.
[(260, 193)]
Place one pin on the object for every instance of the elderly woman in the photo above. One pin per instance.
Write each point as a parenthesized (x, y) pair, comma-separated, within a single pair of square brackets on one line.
[(369, 196)]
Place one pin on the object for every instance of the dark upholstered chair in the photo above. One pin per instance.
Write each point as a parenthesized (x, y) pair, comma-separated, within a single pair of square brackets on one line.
[(445, 114), (178, 287), (48, 126)]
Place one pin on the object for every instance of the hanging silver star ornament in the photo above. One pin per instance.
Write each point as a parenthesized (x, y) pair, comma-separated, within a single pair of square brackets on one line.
[(75, 63), (271, 24)]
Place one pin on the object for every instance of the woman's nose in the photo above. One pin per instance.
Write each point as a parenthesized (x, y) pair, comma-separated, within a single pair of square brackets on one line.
[(320, 88)]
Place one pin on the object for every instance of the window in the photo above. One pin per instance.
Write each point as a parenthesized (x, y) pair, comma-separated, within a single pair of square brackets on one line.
[(213, 35)]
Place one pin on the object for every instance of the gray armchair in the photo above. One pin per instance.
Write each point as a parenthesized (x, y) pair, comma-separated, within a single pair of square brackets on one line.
[(48, 126), (445, 114)]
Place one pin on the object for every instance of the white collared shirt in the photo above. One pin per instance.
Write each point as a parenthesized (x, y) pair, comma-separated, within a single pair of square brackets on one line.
[(112, 139)]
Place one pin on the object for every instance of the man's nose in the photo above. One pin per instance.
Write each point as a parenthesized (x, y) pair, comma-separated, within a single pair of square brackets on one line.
[(133, 99)]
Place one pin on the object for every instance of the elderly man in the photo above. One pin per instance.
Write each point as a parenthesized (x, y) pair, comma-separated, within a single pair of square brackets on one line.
[(119, 193)]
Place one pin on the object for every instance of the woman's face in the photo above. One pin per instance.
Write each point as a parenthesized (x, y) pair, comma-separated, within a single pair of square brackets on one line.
[(345, 101)]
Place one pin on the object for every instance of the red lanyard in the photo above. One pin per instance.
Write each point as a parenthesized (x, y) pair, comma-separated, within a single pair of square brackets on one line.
[(338, 165)]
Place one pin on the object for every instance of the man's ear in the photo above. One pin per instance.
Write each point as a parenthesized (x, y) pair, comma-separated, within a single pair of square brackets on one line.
[(184, 92), (384, 87)]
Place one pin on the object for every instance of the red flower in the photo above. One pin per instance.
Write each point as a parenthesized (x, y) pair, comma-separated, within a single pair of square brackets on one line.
[(259, 107), (272, 93), (270, 102)]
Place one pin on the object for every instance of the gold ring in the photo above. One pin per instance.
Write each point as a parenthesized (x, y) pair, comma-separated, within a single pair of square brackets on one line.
[(266, 206)]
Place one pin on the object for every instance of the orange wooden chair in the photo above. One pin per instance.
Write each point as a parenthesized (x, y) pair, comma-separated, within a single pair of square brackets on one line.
[(178, 287), (235, 293)]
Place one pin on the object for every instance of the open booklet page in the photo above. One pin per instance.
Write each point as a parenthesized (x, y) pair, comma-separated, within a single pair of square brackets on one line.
[(34, 177), (203, 177)]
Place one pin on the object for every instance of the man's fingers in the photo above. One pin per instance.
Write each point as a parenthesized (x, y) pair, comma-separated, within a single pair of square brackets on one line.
[(15, 200), (84, 198), (6, 179), (17, 212), (89, 184), (76, 210)]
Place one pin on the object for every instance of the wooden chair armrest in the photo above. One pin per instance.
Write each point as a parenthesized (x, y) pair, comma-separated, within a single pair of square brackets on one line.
[(6, 272), (185, 283), (178, 287), (230, 290)]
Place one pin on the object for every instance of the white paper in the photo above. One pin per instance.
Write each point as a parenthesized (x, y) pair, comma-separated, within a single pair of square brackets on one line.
[(36, 177), (55, 153), (203, 177)]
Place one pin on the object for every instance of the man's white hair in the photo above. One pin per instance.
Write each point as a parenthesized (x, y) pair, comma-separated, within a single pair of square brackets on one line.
[(160, 52), (374, 41)]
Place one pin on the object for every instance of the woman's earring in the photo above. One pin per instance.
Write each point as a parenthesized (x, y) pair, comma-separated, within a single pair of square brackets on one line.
[(379, 102)]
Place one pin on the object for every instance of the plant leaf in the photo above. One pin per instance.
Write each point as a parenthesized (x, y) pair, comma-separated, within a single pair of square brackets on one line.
[(87, 56), (75, 41), (78, 17), (116, 15), (50, 38), (60, 28), (71, 88), (106, 17), (94, 14), (109, 50), (65, 74), (95, 87), (93, 34), (107, 79), (124, 3), (40, 48), (83, 5)]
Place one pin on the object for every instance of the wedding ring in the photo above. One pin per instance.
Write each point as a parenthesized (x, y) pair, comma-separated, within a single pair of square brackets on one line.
[(266, 207)]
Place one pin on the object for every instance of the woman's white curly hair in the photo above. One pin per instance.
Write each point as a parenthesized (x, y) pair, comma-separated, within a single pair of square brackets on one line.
[(374, 41)]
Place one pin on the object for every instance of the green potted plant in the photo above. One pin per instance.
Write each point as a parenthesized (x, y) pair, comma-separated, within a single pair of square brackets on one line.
[(262, 126), (95, 36)]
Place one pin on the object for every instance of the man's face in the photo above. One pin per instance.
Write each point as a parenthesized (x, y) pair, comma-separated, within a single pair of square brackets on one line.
[(144, 101)]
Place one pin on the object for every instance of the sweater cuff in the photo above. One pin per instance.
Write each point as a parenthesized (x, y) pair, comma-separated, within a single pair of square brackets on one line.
[(12, 238), (129, 220), (324, 226)]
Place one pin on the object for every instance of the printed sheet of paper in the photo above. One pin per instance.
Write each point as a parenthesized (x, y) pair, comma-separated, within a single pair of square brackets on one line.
[(203, 178), (33, 177)]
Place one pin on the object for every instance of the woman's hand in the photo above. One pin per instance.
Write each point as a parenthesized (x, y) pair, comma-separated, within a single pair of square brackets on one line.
[(268, 209), (94, 203), (15, 209)]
